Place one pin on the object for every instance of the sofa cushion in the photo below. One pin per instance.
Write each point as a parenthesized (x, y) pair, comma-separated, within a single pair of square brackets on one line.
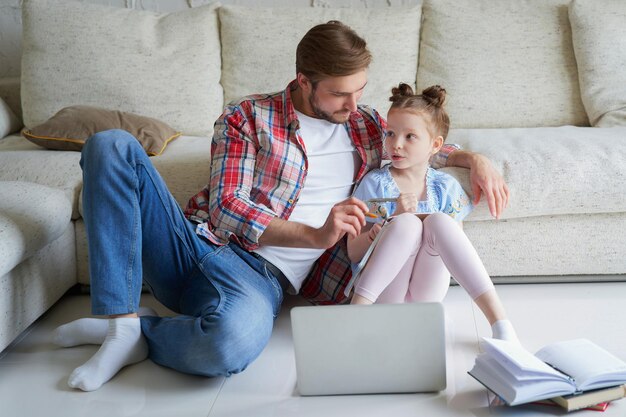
[(551, 171), (72, 126), (543, 248), (599, 34), (8, 121), (185, 167), (165, 66), (506, 63), (10, 93), (261, 45), (21, 160), (31, 216)]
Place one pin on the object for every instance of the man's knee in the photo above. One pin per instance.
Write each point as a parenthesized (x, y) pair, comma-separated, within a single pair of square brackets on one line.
[(108, 142), (229, 345), (109, 147)]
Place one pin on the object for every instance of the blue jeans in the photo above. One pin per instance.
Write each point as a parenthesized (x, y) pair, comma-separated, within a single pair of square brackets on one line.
[(137, 233)]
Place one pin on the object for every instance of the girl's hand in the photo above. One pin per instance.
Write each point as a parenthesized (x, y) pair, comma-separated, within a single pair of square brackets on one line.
[(406, 203), (371, 235)]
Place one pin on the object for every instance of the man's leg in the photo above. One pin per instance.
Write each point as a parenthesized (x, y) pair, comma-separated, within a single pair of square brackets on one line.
[(88, 331), (228, 308), (136, 228), (113, 183)]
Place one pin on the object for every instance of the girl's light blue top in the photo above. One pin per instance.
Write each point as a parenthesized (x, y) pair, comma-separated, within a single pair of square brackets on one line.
[(443, 194)]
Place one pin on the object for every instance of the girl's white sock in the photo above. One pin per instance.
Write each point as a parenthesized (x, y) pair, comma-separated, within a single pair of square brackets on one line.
[(503, 330), (124, 345), (88, 331)]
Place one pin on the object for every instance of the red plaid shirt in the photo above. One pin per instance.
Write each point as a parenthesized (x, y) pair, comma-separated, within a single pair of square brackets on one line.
[(258, 168)]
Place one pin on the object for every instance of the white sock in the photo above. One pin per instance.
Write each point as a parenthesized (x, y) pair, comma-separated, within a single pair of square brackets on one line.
[(503, 330), (124, 345), (88, 331)]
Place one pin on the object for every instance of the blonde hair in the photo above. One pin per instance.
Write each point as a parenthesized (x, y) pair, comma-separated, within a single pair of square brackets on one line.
[(329, 50), (429, 103)]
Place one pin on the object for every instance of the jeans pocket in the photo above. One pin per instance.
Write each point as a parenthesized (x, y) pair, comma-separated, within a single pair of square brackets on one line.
[(203, 293), (276, 287)]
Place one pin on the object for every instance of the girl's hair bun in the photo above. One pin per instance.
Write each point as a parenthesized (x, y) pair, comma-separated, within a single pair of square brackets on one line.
[(430, 103), (401, 92), (435, 95)]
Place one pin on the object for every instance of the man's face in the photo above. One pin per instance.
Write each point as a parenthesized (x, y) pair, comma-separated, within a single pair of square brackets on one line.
[(333, 99)]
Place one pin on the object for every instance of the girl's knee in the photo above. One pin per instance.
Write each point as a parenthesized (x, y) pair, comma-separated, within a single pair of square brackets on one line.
[(438, 220), (405, 226), (407, 221)]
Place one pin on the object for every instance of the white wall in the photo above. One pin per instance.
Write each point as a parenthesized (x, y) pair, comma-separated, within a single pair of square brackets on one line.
[(11, 18)]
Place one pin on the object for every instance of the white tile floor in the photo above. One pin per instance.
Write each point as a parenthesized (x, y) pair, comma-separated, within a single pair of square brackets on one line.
[(33, 372)]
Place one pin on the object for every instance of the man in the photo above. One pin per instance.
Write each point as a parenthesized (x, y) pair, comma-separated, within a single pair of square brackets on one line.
[(276, 210)]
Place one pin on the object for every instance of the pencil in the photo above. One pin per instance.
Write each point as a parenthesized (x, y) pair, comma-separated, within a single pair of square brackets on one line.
[(382, 200)]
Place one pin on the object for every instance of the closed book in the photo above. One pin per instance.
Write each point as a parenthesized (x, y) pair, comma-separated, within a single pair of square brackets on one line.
[(596, 407), (557, 370), (590, 398)]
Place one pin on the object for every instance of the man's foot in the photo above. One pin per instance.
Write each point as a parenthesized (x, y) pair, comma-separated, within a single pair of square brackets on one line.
[(124, 345), (503, 330), (88, 331)]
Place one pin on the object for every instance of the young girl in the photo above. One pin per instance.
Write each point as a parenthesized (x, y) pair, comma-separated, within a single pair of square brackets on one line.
[(422, 243)]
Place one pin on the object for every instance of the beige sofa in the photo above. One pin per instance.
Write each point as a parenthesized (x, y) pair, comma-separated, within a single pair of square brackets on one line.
[(526, 81)]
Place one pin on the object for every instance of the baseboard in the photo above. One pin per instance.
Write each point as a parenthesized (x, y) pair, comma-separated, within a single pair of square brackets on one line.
[(554, 279)]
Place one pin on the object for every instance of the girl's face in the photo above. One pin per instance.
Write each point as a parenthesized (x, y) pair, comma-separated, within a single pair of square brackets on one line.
[(408, 143)]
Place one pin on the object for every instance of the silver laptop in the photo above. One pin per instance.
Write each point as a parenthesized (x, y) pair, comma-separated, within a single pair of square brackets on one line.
[(381, 348)]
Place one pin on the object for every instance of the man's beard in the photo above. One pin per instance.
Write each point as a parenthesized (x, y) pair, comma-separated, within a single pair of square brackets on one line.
[(329, 117)]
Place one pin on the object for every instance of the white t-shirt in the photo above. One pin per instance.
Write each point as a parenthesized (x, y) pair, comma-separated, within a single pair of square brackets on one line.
[(332, 164)]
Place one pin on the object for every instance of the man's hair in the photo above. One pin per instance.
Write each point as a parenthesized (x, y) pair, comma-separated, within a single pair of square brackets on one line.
[(330, 50)]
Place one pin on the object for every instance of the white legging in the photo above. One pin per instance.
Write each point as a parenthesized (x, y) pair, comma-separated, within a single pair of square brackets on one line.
[(414, 259)]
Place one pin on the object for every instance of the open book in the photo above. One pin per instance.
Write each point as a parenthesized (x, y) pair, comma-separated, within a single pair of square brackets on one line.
[(562, 368), (361, 265)]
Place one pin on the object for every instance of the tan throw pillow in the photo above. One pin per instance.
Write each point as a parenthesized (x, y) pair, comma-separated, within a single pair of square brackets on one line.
[(72, 126)]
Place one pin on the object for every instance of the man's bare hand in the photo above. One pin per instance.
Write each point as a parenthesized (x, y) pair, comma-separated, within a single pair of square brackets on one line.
[(484, 179), (346, 217)]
